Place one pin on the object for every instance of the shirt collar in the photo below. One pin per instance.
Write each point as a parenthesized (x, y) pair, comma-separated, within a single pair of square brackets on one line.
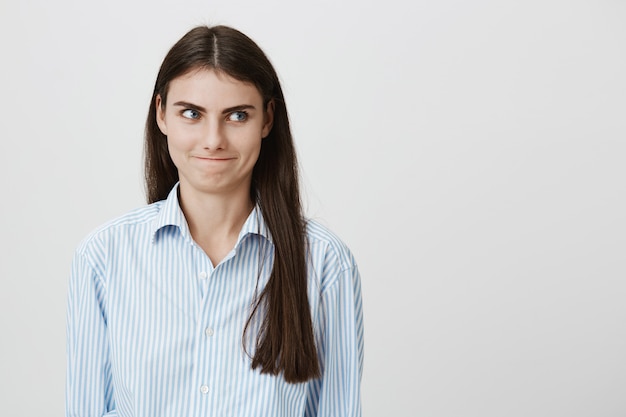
[(255, 225), (170, 214)]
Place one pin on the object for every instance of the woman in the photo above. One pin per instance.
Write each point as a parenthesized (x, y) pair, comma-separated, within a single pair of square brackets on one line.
[(218, 298)]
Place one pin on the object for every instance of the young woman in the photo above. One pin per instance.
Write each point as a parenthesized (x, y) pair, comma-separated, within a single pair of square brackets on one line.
[(218, 298)]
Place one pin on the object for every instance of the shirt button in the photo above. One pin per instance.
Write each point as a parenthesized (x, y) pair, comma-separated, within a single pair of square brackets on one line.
[(209, 332), (204, 389), (202, 275)]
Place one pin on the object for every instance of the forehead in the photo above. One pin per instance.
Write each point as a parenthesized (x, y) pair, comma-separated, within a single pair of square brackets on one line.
[(212, 89)]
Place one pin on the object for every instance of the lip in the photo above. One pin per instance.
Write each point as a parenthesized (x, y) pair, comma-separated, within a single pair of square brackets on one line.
[(213, 158)]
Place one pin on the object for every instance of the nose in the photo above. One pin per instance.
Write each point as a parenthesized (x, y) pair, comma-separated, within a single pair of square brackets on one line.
[(213, 136)]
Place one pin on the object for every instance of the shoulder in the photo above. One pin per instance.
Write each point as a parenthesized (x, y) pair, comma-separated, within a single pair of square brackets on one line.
[(323, 242), (141, 216)]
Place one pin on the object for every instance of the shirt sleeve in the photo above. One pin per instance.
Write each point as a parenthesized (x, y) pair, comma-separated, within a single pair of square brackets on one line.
[(341, 351), (89, 391)]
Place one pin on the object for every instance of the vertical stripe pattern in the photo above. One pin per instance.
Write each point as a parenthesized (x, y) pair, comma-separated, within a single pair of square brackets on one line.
[(155, 330)]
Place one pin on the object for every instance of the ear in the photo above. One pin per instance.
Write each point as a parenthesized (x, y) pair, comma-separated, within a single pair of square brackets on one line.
[(269, 119), (160, 115)]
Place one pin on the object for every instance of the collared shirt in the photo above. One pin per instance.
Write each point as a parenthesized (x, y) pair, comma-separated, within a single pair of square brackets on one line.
[(155, 330)]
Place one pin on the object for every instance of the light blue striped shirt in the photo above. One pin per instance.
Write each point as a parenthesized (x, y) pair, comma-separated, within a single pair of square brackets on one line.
[(154, 330)]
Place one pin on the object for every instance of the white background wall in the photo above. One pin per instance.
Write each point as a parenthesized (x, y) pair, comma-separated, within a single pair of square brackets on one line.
[(471, 153)]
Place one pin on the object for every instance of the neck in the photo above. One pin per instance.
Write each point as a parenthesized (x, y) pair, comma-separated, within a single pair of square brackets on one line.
[(215, 220)]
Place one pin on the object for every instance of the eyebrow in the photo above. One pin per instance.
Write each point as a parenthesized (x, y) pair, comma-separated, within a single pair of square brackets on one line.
[(225, 111)]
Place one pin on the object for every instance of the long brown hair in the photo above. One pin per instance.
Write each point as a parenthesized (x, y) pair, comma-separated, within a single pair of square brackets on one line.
[(285, 342)]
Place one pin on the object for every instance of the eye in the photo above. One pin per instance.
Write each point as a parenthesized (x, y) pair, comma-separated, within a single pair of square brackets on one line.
[(238, 116), (191, 114)]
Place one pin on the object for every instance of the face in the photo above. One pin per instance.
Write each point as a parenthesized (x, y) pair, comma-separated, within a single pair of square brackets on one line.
[(214, 126)]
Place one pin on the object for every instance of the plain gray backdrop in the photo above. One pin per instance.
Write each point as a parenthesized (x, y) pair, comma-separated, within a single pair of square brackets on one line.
[(471, 153)]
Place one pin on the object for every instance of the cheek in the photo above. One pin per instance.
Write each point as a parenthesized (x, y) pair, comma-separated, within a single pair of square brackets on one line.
[(177, 149), (180, 140), (246, 141), (252, 147), (254, 155)]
